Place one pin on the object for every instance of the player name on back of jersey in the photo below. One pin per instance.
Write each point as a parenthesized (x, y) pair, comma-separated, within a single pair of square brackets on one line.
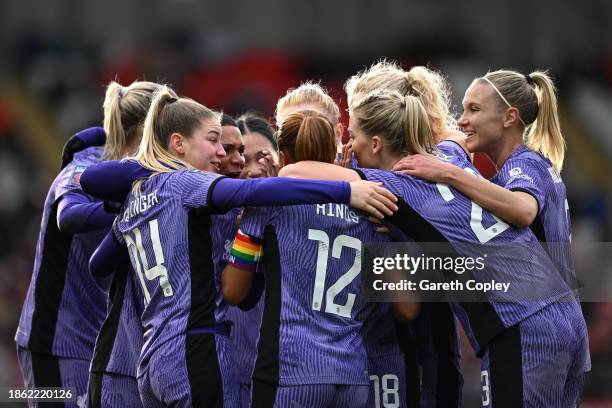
[(139, 204), (341, 211)]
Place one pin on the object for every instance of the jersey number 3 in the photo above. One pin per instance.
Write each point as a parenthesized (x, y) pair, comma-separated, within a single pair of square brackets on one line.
[(139, 260), (344, 280)]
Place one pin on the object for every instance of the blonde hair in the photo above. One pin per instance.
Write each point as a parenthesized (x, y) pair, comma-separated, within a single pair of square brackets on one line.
[(307, 135), (534, 96), (424, 83), (400, 120), (125, 109), (309, 93), (169, 114)]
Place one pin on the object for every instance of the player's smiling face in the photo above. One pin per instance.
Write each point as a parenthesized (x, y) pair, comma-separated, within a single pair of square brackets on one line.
[(483, 117), (203, 150), (233, 163)]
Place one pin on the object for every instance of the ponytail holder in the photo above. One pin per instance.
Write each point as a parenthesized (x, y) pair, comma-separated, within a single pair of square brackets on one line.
[(122, 92), (529, 79), (172, 99)]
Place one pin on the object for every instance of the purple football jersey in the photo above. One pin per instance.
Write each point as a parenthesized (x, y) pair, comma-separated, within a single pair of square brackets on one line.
[(530, 172), (167, 229), (311, 326), (432, 212), (451, 152), (65, 305)]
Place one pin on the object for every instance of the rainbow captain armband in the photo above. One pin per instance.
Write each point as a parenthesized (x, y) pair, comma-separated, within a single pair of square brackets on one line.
[(245, 253)]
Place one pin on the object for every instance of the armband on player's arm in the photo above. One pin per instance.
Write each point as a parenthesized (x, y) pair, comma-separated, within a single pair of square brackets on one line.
[(237, 277)]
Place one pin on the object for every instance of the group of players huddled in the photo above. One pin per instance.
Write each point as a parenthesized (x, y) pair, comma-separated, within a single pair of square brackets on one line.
[(169, 271)]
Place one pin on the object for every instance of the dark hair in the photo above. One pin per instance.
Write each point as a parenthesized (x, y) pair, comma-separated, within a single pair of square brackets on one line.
[(227, 120), (251, 122)]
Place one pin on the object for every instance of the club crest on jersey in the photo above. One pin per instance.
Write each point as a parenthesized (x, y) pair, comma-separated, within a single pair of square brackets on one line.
[(442, 156), (76, 174), (517, 172)]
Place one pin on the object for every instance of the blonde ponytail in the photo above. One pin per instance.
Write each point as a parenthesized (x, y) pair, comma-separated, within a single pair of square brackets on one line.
[(115, 135), (417, 132), (433, 91), (424, 83), (545, 135), (125, 108)]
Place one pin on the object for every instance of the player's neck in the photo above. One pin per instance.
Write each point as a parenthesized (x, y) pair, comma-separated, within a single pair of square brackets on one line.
[(387, 161), (502, 151)]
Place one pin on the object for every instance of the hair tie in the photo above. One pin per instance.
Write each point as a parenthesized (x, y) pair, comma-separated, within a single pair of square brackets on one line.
[(529, 79), (122, 92), (172, 99)]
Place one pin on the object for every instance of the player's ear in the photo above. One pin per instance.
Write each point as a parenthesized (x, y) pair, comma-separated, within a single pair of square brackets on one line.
[(339, 131), (376, 144), (176, 144), (511, 117)]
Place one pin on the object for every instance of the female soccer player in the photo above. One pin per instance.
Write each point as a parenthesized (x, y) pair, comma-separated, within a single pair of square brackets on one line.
[(438, 346), (260, 157), (386, 363), (112, 380), (310, 350), (534, 339), (233, 144), (513, 118), (65, 306), (166, 224)]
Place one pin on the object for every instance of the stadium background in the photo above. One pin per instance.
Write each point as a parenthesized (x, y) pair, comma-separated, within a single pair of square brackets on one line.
[(57, 56)]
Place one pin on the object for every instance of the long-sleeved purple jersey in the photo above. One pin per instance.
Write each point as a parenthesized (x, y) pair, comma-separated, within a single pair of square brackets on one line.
[(432, 212), (65, 305), (311, 328)]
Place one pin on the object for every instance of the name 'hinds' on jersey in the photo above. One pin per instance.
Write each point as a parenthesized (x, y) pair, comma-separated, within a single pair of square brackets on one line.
[(432, 212), (310, 331), (168, 237)]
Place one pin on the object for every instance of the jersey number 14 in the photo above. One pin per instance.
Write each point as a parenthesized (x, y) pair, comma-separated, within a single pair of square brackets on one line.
[(139, 260)]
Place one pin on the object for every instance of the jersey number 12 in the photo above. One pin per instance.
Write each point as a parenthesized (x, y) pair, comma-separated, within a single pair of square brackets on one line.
[(344, 280)]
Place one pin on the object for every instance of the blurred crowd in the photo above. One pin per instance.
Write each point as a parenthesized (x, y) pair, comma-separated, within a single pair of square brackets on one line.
[(52, 86)]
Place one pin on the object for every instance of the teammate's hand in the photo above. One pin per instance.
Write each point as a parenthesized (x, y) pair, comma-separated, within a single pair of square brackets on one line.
[(93, 136), (424, 166), (380, 227), (270, 165), (267, 167), (346, 158), (372, 198)]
